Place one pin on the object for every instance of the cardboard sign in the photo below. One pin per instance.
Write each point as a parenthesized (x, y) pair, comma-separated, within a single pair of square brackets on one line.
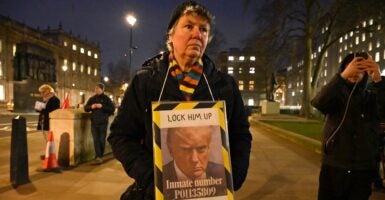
[(191, 151)]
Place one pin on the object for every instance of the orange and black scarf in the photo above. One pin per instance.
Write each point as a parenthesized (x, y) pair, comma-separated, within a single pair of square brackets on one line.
[(188, 81)]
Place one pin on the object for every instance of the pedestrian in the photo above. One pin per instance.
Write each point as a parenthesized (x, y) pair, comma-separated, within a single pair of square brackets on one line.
[(101, 107), (49, 104), (350, 133), (183, 73)]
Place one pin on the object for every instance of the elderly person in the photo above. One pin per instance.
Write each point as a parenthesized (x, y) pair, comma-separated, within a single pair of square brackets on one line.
[(51, 103), (184, 73)]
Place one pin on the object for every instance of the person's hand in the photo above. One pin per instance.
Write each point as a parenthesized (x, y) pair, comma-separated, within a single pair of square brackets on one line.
[(373, 69), (354, 70), (96, 106)]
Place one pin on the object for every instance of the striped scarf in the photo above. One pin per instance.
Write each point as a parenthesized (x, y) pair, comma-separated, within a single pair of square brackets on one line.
[(188, 81)]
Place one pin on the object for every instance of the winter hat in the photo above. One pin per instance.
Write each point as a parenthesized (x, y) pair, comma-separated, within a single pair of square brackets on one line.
[(193, 6), (100, 85)]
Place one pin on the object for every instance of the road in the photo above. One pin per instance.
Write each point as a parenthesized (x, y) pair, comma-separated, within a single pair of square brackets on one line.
[(6, 122)]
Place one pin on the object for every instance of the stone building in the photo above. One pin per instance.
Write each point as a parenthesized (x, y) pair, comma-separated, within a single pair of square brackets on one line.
[(30, 57)]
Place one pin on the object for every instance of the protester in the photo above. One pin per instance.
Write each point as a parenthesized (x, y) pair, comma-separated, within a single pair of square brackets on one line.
[(351, 129), (49, 104), (184, 73), (101, 107)]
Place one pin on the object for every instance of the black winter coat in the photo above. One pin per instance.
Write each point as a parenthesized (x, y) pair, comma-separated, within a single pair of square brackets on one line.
[(52, 104), (354, 145), (100, 116), (131, 130)]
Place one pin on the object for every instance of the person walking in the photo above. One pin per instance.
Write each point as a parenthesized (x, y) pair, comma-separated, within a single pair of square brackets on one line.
[(101, 107)]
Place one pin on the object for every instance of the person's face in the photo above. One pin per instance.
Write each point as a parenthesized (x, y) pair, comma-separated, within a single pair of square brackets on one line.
[(190, 150), (190, 36), (98, 90)]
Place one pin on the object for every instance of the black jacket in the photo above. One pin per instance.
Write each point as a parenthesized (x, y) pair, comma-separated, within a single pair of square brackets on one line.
[(100, 116), (131, 130), (52, 104), (354, 145)]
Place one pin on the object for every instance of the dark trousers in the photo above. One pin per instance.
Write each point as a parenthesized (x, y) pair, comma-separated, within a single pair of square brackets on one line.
[(99, 133), (341, 184)]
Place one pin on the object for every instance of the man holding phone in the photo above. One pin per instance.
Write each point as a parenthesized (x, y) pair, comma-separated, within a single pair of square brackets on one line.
[(351, 129)]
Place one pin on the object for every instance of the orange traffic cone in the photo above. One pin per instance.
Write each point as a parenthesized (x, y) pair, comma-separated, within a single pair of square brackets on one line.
[(50, 162)]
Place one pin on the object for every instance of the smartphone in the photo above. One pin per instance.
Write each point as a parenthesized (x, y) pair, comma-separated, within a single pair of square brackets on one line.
[(364, 55)]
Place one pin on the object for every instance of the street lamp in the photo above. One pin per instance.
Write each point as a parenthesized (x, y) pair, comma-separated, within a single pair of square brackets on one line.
[(131, 21), (64, 68)]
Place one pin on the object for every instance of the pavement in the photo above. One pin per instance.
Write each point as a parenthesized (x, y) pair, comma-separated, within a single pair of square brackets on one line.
[(279, 170)]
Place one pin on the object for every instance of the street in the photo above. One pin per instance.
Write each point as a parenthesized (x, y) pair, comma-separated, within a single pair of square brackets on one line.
[(278, 170), (6, 122)]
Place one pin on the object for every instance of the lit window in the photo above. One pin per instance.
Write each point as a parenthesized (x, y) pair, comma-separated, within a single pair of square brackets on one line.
[(231, 58), (351, 33), (81, 68), (384, 54), (65, 62), (89, 70), (370, 35), (230, 70), (364, 24), (371, 22), (377, 57), (250, 102), (363, 37), (240, 70), (74, 47), (346, 36), (73, 66), (293, 94), (251, 85), (326, 54), (341, 39), (289, 68), (345, 47), (241, 57), (14, 50), (357, 40), (370, 46), (379, 27), (240, 85), (340, 50), (378, 44), (252, 58), (383, 73), (297, 84), (96, 56), (95, 72), (339, 59), (89, 53), (82, 50), (325, 72), (252, 70), (1, 69), (324, 82), (65, 43), (289, 86)]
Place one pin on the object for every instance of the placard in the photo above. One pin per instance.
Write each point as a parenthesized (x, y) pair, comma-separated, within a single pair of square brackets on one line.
[(191, 151)]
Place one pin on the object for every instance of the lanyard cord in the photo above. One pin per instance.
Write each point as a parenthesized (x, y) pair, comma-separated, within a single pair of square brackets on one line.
[(164, 84)]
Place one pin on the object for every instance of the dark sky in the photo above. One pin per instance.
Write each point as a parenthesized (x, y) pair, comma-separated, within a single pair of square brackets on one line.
[(103, 21)]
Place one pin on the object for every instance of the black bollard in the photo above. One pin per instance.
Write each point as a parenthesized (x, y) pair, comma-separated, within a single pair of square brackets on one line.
[(19, 152)]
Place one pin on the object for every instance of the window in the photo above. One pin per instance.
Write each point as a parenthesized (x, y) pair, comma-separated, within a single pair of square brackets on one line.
[(251, 85), (14, 50), (240, 85), (293, 94), (252, 58), (242, 58), (325, 73), (65, 61), (363, 37), (73, 66), (89, 53), (250, 102), (96, 56), (2, 93), (95, 72), (377, 57), (65, 43), (82, 50), (370, 46), (230, 70), (357, 40), (89, 70), (1, 69), (252, 70), (74, 47), (81, 68), (230, 58), (240, 70)]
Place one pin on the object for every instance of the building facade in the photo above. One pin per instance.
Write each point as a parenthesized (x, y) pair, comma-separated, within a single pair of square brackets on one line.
[(30, 57), (373, 43)]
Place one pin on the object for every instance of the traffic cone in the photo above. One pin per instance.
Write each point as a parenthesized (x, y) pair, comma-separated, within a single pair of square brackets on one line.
[(50, 162)]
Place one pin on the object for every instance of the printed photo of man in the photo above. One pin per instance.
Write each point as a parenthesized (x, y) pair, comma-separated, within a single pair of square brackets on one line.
[(190, 167)]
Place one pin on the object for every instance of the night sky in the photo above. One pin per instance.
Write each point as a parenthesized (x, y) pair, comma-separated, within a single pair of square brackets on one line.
[(104, 21)]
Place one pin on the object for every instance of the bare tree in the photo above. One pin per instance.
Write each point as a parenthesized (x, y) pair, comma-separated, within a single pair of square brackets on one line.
[(318, 23)]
